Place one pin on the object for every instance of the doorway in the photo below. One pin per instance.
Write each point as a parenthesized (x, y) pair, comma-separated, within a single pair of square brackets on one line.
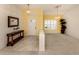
[(32, 27)]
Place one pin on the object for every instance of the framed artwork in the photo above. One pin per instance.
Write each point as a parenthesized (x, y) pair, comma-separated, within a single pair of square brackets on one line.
[(13, 21)]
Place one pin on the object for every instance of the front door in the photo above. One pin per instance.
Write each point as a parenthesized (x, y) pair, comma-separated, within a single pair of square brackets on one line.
[(32, 27)]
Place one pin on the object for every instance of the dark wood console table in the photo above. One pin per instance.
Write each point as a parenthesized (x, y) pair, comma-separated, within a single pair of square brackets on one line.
[(14, 37)]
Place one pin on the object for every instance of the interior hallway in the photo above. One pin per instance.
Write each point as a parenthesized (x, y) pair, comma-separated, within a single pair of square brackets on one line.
[(55, 44)]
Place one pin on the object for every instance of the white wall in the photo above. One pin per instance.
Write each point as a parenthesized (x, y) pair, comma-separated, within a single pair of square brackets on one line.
[(72, 19), (5, 11)]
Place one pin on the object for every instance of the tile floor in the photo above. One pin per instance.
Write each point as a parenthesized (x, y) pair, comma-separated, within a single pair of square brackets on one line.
[(29, 43), (55, 44)]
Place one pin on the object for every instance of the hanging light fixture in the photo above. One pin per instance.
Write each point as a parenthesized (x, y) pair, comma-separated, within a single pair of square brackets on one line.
[(28, 9), (57, 16)]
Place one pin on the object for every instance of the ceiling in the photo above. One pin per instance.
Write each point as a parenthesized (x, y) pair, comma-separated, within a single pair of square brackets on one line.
[(51, 8)]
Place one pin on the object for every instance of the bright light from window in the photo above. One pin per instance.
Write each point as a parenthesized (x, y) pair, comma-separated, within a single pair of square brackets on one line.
[(50, 24)]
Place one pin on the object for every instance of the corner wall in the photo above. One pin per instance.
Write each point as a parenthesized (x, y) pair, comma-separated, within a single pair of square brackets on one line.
[(72, 19)]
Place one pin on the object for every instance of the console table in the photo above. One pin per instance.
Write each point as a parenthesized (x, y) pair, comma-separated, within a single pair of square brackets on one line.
[(14, 37)]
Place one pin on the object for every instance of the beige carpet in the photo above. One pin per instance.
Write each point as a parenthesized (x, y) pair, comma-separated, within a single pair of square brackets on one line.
[(61, 43)]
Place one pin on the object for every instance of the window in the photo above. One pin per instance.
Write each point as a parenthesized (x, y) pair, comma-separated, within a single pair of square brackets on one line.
[(50, 24)]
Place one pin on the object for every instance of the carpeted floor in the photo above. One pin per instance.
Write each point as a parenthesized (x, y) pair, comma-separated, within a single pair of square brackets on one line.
[(61, 43)]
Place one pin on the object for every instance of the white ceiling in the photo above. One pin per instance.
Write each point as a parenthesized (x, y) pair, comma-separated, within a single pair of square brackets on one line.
[(51, 8)]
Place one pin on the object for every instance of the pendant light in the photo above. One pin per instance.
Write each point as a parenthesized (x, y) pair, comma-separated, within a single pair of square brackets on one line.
[(57, 16), (28, 9)]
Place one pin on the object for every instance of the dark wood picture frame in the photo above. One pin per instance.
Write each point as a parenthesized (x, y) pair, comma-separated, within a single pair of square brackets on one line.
[(14, 18)]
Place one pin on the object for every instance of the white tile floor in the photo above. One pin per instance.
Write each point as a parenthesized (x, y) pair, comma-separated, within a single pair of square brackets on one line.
[(29, 43), (55, 44)]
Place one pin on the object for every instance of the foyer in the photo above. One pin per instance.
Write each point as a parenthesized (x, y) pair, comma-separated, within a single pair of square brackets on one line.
[(34, 19)]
